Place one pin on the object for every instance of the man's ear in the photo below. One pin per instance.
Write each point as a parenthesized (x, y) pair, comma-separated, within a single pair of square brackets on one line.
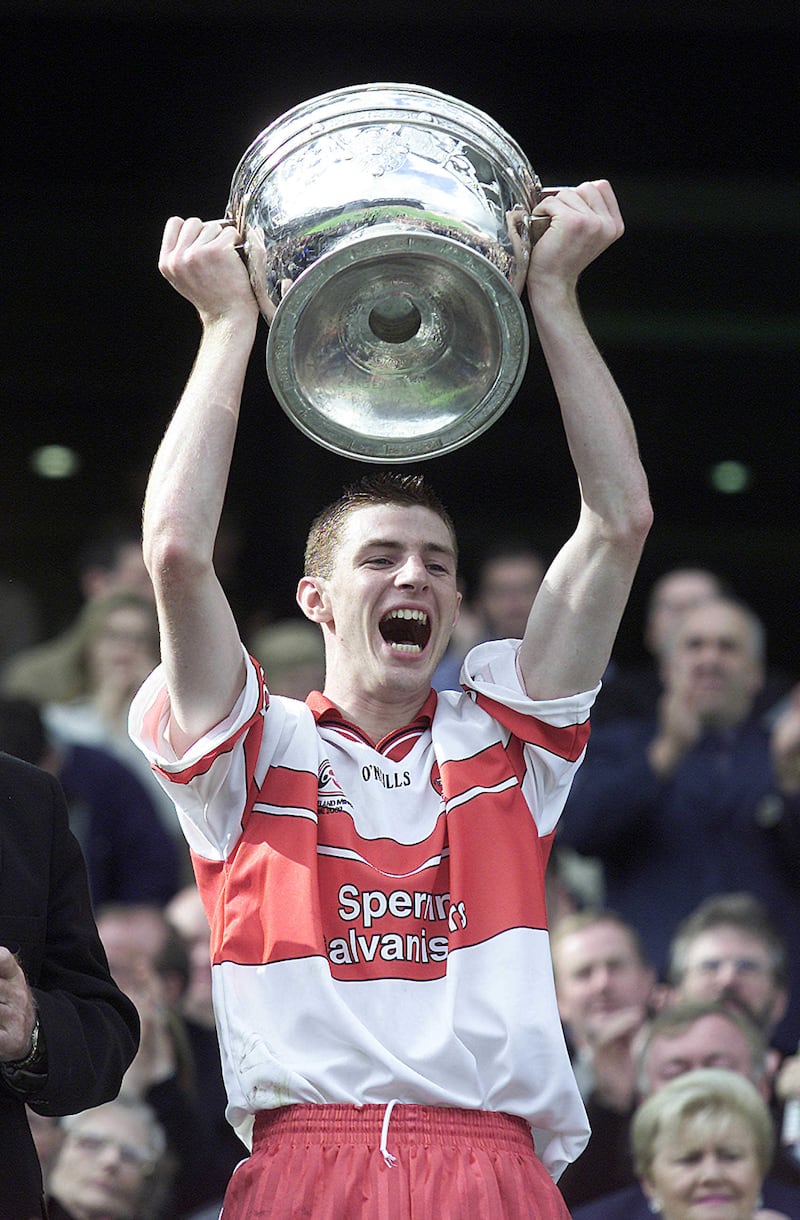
[(779, 1005), (459, 599), (312, 598)]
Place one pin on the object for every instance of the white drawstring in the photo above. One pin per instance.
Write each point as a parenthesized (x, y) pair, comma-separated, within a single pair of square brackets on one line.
[(390, 1160)]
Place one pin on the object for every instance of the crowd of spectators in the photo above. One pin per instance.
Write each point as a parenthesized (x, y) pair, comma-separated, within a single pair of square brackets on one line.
[(673, 893)]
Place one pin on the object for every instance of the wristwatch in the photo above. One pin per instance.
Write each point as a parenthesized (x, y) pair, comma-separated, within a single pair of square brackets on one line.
[(16, 1065), (28, 1076)]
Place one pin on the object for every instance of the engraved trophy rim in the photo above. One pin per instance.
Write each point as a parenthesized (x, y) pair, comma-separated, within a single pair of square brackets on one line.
[(324, 422), (440, 192)]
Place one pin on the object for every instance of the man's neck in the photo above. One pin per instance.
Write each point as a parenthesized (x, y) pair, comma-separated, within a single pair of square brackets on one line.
[(374, 714)]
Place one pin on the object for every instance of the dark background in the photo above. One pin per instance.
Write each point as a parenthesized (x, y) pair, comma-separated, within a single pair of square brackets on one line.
[(118, 114)]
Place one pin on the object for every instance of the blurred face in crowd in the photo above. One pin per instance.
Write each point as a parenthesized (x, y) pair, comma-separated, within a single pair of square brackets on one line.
[(186, 914), (713, 662), (672, 596), (599, 974), (125, 649), (507, 589), (731, 965), (47, 1135), (709, 1042), (708, 1169), (103, 1166)]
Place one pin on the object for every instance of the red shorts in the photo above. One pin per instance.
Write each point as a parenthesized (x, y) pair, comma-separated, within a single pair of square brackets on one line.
[(401, 1162)]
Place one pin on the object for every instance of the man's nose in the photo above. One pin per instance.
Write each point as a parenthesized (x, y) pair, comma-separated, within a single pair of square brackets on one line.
[(600, 978), (412, 572), (110, 1153), (727, 975)]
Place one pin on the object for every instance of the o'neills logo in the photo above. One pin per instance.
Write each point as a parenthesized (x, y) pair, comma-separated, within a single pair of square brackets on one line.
[(330, 797), (389, 779), (370, 908)]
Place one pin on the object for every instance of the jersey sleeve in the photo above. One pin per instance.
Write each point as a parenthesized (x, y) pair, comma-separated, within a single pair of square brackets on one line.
[(209, 783), (553, 732)]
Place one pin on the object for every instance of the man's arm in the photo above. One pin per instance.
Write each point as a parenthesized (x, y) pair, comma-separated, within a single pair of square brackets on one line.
[(200, 644), (54, 964), (577, 611)]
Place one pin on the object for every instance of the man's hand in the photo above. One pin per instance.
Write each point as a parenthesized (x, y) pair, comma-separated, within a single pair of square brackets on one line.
[(201, 261), (156, 1058), (17, 1010), (679, 727), (584, 221), (613, 1043), (787, 1081), (785, 746)]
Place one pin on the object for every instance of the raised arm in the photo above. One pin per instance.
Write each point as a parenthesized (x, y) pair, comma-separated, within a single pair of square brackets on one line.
[(200, 644), (578, 608)]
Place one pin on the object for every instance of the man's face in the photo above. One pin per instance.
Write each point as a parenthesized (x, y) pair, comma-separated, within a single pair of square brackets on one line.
[(713, 665), (507, 590), (391, 601), (674, 594), (125, 649), (599, 977), (732, 966), (103, 1164), (710, 1041)]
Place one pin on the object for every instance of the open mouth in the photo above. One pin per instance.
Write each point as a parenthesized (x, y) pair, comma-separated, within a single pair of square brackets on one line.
[(406, 630)]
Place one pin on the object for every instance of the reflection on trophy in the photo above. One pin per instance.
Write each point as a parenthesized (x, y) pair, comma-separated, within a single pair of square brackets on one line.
[(386, 231)]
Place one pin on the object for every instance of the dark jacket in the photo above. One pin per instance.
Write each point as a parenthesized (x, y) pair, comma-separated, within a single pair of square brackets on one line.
[(90, 1028), (631, 1204), (718, 825)]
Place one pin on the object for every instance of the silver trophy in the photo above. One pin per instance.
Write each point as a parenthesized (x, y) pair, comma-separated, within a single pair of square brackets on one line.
[(387, 234)]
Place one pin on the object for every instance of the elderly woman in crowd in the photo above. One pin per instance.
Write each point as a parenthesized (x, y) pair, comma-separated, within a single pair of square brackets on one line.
[(702, 1145)]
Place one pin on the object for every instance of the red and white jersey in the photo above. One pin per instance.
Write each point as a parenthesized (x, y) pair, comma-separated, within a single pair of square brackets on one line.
[(378, 924)]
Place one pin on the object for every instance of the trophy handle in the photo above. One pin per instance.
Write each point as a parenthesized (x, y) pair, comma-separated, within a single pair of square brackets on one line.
[(537, 225)]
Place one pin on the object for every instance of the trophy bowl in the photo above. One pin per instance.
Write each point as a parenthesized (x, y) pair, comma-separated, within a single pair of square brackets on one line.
[(386, 233)]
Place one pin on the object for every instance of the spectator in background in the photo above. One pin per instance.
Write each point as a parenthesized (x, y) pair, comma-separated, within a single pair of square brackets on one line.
[(509, 576), (129, 855), (116, 647), (111, 1165), (701, 799), (631, 690), (150, 962), (729, 949), (292, 652), (681, 1038), (47, 1133), (20, 617), (605, 990), (49, 672), (67, 1033), (186, 915), (635, 690), (702, 1146)]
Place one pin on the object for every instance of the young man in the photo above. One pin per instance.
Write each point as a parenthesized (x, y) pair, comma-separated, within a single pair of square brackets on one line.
[(372, 861)]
